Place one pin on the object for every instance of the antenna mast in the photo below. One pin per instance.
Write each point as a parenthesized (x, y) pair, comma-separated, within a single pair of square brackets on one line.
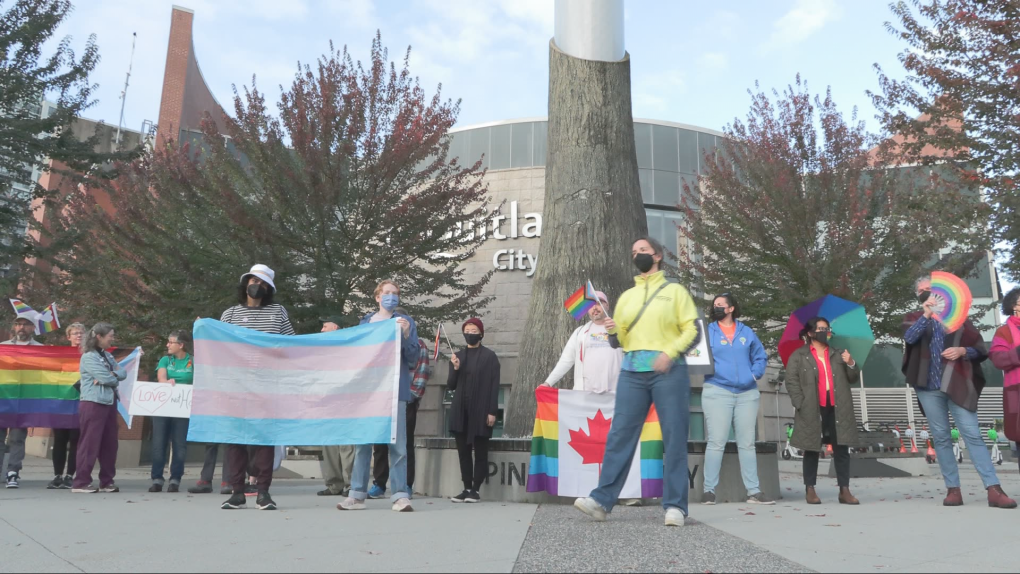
[(123, 94)]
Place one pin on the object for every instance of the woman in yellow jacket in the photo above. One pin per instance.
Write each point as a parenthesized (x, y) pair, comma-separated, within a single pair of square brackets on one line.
[(655, 325)]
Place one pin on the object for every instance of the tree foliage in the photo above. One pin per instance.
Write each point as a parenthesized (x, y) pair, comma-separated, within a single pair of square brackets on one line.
[(350, 183), (800, 203), (961, 97)]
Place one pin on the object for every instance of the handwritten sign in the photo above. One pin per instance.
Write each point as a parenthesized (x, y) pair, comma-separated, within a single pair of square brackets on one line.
[(161, 400)]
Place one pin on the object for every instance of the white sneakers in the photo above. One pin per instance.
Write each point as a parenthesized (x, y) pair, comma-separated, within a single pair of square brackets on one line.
[(674, 517), (403, 505), (591, 508), (350, 503)]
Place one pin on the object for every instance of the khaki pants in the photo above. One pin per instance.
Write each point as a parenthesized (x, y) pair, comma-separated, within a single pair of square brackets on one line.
[(337, 465)]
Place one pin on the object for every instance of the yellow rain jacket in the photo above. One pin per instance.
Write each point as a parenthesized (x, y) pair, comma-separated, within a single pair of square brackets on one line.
[(667, 325)]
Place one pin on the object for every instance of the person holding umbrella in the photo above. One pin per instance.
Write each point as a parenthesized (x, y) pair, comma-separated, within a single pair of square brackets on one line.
[(818, 378)]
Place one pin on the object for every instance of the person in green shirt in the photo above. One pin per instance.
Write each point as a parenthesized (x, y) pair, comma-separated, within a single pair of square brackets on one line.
[(176, 368)]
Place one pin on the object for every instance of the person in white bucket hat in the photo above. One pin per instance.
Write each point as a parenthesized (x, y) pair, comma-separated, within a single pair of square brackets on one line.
[(255, 310)]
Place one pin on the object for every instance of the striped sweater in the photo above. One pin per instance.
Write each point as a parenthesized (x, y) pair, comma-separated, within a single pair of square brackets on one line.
[(271, 319)]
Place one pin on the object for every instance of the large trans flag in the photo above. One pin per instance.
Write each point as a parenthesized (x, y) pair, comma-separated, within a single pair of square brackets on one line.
[(328, 388)]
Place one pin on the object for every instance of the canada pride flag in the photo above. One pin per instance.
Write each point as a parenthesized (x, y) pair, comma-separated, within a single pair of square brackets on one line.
[(569, 444)]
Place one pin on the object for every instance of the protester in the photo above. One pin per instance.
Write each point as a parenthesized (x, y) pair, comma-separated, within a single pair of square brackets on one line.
[(818, 378), (474, 379), (100, 378), (176, 368), (387, 295), (730, 397), (255, 310), (380, 452), (1005, 355), (65, 441), (655, 324), (22, 333), (337, 460), (588, 351), (929, 353)]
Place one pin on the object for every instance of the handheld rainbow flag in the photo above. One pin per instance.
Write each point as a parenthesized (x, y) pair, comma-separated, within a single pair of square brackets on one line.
[(569, 444), (581, 301), (37, 386), (45, 321)]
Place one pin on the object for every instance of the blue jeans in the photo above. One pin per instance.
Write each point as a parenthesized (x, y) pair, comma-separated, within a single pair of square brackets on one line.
[(398, 463), (635, 394), (724, 411), (174, 431), (937, 407)]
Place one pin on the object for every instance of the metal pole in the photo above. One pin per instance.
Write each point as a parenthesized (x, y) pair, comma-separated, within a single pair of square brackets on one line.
[(123, 95)]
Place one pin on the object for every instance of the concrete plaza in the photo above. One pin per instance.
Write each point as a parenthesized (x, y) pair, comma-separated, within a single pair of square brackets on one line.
[(900, 527)]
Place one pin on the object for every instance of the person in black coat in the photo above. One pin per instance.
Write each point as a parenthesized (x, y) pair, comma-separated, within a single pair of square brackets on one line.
[(474, 378)]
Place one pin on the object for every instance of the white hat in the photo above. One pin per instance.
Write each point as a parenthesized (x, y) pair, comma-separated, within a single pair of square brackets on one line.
[(262, 272)]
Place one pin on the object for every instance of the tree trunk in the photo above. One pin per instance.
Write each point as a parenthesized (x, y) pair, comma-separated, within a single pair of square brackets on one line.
[(593, 213)]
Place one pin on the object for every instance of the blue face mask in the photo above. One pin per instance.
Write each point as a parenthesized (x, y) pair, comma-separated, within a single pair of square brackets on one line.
[(390, 301)]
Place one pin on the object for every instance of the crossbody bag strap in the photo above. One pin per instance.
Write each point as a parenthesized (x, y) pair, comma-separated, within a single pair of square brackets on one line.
[(645, 306)]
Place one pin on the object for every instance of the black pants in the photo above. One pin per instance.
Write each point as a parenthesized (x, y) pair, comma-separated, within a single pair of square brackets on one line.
[(212, 451), (62, 439), (473, 475), (381, 452), (252, 460), (840, 453)]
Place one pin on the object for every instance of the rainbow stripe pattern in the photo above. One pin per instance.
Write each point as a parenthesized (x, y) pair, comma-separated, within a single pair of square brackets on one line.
[(255, 388), (581, 301), (956, 296), (555, 469), (37, 386)]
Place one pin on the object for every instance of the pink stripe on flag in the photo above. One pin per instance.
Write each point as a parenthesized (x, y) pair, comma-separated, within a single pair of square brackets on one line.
[(325, 358), (292, 407)]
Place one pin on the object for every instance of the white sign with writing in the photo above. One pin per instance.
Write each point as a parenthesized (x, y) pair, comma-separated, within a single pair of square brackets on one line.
[(160, 400), (699, 359)]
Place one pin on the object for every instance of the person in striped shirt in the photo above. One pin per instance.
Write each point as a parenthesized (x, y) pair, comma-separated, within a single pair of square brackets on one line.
[(255, 310)]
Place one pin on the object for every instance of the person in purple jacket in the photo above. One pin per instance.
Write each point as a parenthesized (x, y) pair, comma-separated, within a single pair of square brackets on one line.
[(730, 398)]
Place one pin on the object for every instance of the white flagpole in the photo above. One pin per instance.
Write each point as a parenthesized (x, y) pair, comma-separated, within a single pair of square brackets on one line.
[(445, 334)]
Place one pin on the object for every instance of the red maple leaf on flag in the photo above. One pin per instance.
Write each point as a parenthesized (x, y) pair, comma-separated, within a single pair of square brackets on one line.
[(592, 445)]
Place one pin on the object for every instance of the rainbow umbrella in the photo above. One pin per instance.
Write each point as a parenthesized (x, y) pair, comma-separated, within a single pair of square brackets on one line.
[(849, 322)]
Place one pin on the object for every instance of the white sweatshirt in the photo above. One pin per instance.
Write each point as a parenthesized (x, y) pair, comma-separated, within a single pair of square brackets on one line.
[(596, 364)]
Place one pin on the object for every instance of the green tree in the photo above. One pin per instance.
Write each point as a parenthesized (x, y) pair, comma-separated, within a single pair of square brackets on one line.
[(350, 183), (961, 96), (801, 203)]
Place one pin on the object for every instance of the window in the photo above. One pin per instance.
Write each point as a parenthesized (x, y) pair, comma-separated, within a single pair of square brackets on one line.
[(645, 178), (643, 144), (541, 139), (478, 146), (688, 151), (664, 149), (522, 145), (500, 146), (667, 188)]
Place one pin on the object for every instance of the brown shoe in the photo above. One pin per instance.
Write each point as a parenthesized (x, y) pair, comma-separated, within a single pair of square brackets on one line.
[(811, 496), (846, 498), (998, 499), (955, 498)]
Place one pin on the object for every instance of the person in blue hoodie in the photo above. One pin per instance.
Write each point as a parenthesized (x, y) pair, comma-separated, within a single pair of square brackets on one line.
[(387, 294), (730, 398)]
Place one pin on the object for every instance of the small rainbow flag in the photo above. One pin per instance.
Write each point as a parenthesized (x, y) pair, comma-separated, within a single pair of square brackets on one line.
[(45, 321), (581, 301), (569, 443), (37, 386)]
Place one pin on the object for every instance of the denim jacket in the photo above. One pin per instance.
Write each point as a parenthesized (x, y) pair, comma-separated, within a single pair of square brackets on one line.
[(98, 383)]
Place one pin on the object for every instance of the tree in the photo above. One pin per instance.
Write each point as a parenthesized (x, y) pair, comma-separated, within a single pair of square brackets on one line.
[(800, 203), (349, 184), (961, 97), (27, 140)]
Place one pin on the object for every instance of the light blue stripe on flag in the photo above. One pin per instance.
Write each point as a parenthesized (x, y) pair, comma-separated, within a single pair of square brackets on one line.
[(367, 334), (651, 469), (283, 432), (541, 464)]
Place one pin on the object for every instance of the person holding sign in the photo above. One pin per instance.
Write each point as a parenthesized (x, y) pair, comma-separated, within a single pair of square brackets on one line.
[(731, 399), (100, 377), (595, 362), (655, 323), (176, 368)]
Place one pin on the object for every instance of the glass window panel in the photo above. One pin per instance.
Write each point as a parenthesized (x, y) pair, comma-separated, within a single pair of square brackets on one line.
[(499, 143), (458, 147), (645, 177), (706, 145), (521, 145), (670, 231), (696, 398), (667, 188), (664, 148), (541, 139), (697, 430), (692, 182), (688, 151), (643, 143), (980, 282), (654, 223), (478, 146)]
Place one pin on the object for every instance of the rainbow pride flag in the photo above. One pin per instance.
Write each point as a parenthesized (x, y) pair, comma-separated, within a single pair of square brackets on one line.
[(340, 387), (581, 301), (569, 443), (37, 386)]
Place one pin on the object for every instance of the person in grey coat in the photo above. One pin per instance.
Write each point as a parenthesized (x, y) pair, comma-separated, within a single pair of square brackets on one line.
[(818, 378)]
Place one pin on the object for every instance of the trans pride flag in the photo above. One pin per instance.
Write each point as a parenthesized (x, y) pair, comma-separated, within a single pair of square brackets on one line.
[(569, 443), (255, 388), (37, 386)]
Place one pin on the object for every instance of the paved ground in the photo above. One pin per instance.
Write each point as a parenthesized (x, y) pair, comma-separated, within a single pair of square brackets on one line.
[(900, 527)]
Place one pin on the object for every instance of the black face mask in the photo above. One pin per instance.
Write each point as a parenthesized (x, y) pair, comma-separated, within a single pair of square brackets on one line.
[(822, 337), (256, 291), (472, 339), (718, 313), (644, 262), (923, 296)]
